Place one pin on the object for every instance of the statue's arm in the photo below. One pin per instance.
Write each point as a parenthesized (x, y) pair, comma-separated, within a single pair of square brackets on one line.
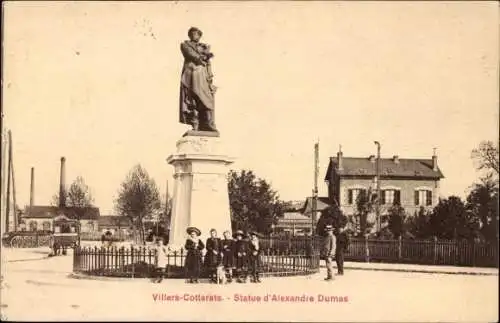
[(190, 54)]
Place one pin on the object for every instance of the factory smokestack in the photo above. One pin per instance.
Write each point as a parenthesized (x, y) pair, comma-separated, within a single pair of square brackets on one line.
[(62, 184), (32, 188)]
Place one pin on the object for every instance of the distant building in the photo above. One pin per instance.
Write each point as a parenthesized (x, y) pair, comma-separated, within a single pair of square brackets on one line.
[(411, 183), (40, 217), (293, 223), (114, 223)]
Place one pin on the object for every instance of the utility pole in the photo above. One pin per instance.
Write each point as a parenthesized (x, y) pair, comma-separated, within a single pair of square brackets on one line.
[(9, 178), (377, 206), (3, 177), (14, 204), (315, 189)]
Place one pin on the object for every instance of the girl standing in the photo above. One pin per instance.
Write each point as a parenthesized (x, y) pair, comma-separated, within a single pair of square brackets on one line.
[(213, 255), (228, 255)]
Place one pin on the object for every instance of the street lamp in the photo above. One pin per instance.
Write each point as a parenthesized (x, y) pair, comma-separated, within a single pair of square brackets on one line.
[(377, 176)]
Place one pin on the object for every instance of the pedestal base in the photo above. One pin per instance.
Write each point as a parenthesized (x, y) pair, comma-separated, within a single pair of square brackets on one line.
[(201, 196)]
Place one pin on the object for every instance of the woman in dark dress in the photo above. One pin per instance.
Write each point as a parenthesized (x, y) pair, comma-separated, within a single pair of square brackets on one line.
[(241, 256), (213, 255), (194, 247), (228, 255)]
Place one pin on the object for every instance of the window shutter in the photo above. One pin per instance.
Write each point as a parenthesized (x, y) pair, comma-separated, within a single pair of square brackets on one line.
[(416, 198), (397, 197), (429, 197), (382, 197), (349, 196)]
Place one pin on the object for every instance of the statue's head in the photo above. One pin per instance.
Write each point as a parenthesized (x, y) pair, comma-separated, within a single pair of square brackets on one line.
[(194, 34)]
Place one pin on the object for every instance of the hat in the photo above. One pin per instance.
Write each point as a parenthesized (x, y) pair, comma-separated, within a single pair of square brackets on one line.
[(329, 228), (239, 233), (193, 229), (255, 233), (193, 30)]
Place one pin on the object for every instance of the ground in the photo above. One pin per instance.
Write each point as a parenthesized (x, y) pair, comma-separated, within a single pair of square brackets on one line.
[(35, 287)]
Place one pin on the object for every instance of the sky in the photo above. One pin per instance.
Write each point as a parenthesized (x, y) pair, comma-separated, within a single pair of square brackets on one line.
[(98, 83)]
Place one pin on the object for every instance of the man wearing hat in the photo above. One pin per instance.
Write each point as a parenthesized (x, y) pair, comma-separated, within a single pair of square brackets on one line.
[(254, 263), (194, 247), (329, 251), (240, 254)]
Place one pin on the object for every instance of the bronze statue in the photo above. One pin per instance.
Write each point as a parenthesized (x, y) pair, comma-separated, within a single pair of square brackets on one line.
[(196, 106)]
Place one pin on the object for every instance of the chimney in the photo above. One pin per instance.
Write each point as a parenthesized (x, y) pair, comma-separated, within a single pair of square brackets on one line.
[(62, 183), (32, 188), (434, 161), (339, 159), (372, 158), (395, 159)]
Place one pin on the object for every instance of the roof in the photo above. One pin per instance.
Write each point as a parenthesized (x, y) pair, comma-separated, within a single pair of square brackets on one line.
[(354, 166), (291, 219), (323, 203), (49, 212), (114, 220)]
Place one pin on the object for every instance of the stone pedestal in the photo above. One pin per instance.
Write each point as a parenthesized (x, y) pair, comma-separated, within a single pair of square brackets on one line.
[(200, 188)]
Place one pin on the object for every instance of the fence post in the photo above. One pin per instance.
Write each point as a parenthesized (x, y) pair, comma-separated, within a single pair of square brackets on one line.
[(132, 260), (435, 250), (399, 247), (367, 250)]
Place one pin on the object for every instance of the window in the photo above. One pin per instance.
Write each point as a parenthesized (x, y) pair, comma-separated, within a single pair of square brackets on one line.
[(423, 197), (352, 195), (390, 197), (46, 225), (33, 225)]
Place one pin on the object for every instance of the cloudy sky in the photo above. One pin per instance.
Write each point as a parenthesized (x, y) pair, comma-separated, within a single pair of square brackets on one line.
[(98, 83)]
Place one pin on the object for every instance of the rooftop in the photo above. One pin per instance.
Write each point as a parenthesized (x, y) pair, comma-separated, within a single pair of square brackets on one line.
[(389, 167), (49, 212)]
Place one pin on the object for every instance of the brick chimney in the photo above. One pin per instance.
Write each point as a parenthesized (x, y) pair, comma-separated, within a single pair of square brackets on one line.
[(340, 165), (395, 159), (62, 183), (434, 161), (32, 188)]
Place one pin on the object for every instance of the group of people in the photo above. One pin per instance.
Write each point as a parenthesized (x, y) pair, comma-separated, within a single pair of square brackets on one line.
[(335, 245), (236, 255)]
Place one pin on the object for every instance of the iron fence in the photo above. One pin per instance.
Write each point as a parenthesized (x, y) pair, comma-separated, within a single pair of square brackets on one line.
[(275, 260), (425, 252)]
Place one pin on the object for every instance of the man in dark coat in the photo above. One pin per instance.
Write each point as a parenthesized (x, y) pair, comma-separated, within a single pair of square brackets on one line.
[(241, 256), (329, 251), (342, 244), (213, 255), (254, 257)]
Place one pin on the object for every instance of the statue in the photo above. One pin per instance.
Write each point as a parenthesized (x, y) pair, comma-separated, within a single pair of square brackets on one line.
[(196, 104)]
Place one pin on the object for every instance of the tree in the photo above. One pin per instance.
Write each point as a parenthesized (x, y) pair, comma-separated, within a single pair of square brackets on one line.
[(138, 198), (418, 225), (254, 204), (396, 220), (450, 220), (486, 157), (77, 196), (482, 202), (364, 206), (331, 216)]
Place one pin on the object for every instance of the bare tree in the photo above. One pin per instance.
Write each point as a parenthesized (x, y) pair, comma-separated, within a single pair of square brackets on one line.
[(486, 157), (138, 198)]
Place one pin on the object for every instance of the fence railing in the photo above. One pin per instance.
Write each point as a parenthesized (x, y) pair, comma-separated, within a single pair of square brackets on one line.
[(428, 252), (142, 261)]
